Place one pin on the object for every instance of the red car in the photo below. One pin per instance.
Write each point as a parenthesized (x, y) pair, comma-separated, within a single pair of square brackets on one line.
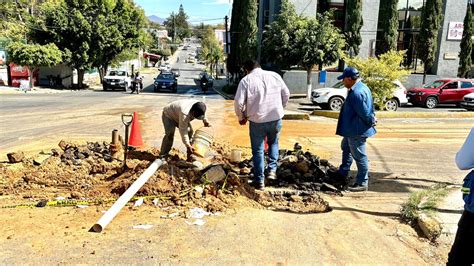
[(440, 91)]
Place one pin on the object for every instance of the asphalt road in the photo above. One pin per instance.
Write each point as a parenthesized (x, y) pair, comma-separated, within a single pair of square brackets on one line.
[(35, 121)]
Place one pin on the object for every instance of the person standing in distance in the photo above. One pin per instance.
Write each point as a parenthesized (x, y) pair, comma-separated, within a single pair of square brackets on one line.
[(355, 124), (260, 98)]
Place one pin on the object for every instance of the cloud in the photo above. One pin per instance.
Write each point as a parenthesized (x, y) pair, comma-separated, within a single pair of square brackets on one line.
[(218, 2)]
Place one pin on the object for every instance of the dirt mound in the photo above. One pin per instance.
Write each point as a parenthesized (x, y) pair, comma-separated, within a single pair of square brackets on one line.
[(89, 173)]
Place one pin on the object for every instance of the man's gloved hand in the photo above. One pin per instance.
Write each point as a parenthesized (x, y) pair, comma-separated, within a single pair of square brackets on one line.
[(243, 122)]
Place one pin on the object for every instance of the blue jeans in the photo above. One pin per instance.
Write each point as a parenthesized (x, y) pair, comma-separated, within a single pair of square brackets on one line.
[(353, 148), (258, 132)]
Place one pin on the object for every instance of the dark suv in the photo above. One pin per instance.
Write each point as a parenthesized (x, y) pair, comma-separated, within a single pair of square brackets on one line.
[(166, 81), (440, 91)]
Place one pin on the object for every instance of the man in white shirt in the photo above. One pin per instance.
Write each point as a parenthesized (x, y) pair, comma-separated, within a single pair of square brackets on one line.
[(260, 99), (179, 114)]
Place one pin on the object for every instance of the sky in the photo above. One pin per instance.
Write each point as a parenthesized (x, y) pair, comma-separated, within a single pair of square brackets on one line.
[(205, 11)]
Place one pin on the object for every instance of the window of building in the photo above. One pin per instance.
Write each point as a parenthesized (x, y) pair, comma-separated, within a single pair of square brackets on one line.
[(409, 22), (337, 6)]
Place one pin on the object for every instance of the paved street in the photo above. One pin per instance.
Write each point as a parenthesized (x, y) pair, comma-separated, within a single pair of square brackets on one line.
[(33, 121)]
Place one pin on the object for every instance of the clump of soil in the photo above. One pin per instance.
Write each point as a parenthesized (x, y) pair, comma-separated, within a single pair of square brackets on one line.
[(89, 172)]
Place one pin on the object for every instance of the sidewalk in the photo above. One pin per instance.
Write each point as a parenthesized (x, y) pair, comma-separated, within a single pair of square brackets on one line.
[(448, 214), (15, 90)]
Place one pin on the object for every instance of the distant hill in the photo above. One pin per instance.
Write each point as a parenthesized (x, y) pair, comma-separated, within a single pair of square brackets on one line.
[(156, 19)]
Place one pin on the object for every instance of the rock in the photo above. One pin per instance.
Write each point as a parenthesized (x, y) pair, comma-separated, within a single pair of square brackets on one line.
[(296, 198), (302, 167), (245, 171), (290, 159), (198, 165), (40, 159), (324, 162), (16, 157), (63, 145), (76, 195), (297, 146), (215, 173), (430, 227), (328, 187), (55, 152), (233, 179)]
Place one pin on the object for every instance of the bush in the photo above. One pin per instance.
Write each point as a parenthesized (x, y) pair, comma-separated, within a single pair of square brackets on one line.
[(380, 73)]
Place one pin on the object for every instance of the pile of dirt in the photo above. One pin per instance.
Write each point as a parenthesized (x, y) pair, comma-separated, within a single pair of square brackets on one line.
[(88, 172)]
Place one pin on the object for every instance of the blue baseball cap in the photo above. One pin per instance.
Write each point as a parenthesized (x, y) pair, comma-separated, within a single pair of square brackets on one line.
[(349, 72)]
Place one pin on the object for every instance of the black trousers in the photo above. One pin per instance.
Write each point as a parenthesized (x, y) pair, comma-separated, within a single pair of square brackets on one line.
[(462, 251)]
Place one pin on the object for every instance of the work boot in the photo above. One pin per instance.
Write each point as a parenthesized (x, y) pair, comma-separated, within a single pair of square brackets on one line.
[(271, 175), (258, 185), (358, 188)]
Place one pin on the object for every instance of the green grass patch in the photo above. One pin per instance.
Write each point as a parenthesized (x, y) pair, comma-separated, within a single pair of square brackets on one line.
[(423, 201)]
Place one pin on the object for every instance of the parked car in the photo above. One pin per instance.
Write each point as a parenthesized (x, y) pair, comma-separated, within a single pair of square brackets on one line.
[(333, 97), (440, 91), (468, 102), (166, 81), (117, 79)]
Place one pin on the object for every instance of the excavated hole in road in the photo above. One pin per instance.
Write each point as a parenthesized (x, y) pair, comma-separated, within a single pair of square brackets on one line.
[(89, 172)]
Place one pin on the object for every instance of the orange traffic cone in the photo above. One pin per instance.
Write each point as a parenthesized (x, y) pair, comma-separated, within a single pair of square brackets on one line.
[(135, 139)]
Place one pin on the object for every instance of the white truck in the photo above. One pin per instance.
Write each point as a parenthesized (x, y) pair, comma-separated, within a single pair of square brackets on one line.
[(117, 79)]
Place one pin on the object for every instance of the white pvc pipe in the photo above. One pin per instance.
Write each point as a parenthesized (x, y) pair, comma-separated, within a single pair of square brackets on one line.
[(126, 196)]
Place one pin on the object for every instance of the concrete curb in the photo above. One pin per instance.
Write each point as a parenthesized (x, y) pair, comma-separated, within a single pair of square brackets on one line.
[(296, 117), (431, 227), (460, 114), (223, 94)]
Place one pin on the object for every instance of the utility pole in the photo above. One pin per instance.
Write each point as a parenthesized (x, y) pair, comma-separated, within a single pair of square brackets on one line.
[(226, 18), (260, 30), (174, 29)]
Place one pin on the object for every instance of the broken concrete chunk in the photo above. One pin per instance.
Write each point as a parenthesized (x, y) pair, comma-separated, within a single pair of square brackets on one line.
[(16, 157), (245, 171), (430, 227), (233, 179), (198, 165), (40, 159), (302, 167), (76, 195), (215, 173), (328, 187), (290, 159)]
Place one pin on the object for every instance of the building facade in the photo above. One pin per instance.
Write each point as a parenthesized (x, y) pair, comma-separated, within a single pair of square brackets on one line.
[(449, 37)]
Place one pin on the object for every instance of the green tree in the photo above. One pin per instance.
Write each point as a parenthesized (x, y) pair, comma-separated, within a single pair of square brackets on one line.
[(92, 32), (465, 60), (34, 56), (12, 20), (354, 24), (388, 26), (427, 43), (279, 37), (305, 41), (211, 52), (177, 25), (380, 73), (243, 28)]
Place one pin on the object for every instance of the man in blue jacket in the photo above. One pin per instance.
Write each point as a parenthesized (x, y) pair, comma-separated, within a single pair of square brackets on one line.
[(356, 123), (462, 252)]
